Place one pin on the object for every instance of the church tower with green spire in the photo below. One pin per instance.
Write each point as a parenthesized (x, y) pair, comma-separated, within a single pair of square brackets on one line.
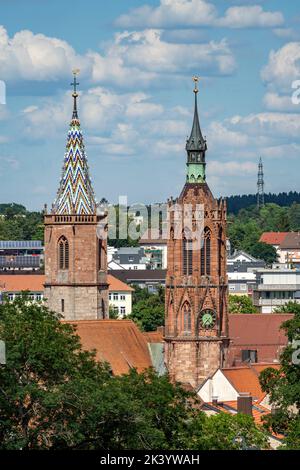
[(75, 243), (196, 320)]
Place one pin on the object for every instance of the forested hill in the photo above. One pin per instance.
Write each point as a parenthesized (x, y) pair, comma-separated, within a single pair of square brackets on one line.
[(235, 203)]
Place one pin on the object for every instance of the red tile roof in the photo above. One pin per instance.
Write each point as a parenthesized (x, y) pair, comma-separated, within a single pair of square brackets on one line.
[(117, 285), (22, 282), (246, 378), (273, 238), (257, 329), (154, 336), (35, 283), (258, 411), (118, 342)]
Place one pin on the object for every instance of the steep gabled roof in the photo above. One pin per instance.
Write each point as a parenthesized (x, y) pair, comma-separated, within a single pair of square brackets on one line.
[(246, 379), (117, 285), (118, 342), (273, 238)]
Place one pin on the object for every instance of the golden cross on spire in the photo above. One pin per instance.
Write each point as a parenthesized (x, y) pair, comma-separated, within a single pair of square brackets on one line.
[(75, 83), (196, 80)]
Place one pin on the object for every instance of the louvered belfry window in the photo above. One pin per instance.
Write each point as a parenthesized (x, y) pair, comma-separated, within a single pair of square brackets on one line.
[(63, 253)]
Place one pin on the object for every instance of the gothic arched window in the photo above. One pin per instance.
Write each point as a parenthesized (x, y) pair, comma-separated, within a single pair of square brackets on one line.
[(63, 253), (187, 253), (187, 317), (205, 253)]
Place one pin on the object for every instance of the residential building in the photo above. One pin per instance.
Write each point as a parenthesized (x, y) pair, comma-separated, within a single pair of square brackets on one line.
[(75, 249), (287, 245), (155, 250), (275, 287), (111, 251), (241, 272), (150, 279), (120, 296), (21, 255), (240, 257), (237, 390), (128, 258), (196, 324), (226, 384), (273, 238), (289, 250), (11, 285), (256, 338), (120, 293)]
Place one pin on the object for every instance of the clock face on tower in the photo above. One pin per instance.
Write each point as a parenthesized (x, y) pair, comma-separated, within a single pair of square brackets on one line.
[(208, 319)]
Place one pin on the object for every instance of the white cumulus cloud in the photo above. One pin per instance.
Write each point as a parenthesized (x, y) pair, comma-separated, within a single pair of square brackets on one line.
[(192, 13), (283, 67)]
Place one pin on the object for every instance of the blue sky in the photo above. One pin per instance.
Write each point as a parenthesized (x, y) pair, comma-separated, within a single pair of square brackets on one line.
[(136, 60)]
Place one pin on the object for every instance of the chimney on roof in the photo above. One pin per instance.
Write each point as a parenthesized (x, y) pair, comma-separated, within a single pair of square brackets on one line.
[(214, 400), (244, 404)]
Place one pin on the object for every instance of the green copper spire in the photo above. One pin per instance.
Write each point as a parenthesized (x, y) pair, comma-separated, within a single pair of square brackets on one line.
[(196, 148)]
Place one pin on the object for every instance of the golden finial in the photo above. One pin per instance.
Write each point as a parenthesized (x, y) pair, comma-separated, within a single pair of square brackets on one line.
[(195, 79)]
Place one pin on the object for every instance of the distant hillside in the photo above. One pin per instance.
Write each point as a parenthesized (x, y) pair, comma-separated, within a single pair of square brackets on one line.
[(235, 203)]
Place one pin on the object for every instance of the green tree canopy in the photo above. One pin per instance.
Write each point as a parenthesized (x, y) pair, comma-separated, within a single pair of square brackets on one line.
[(283, 387), (246, 227), (240, 304), (53, 395), (226, 432), (148, 310)]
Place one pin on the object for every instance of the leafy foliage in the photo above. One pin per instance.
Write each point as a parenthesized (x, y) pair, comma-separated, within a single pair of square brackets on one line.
[(226, 432), (283, 387), (245, 229), (240, 304), (16, 223), (289, 307), (148, 310), (53, 395), (236, 203)]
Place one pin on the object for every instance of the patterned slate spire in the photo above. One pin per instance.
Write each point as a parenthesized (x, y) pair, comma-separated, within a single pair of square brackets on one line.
[(75, 194)]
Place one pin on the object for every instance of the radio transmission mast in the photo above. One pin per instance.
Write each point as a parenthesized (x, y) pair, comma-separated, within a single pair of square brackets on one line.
[(260, 185)]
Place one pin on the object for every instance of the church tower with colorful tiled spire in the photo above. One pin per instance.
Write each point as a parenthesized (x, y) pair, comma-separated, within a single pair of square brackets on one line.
[(75, 243), (196, 320)]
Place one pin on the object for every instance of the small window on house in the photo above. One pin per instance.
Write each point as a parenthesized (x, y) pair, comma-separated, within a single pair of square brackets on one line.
[(122, 310), (249, 355), (109, 296), (122, 296), (116, 296), (62, 305)]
